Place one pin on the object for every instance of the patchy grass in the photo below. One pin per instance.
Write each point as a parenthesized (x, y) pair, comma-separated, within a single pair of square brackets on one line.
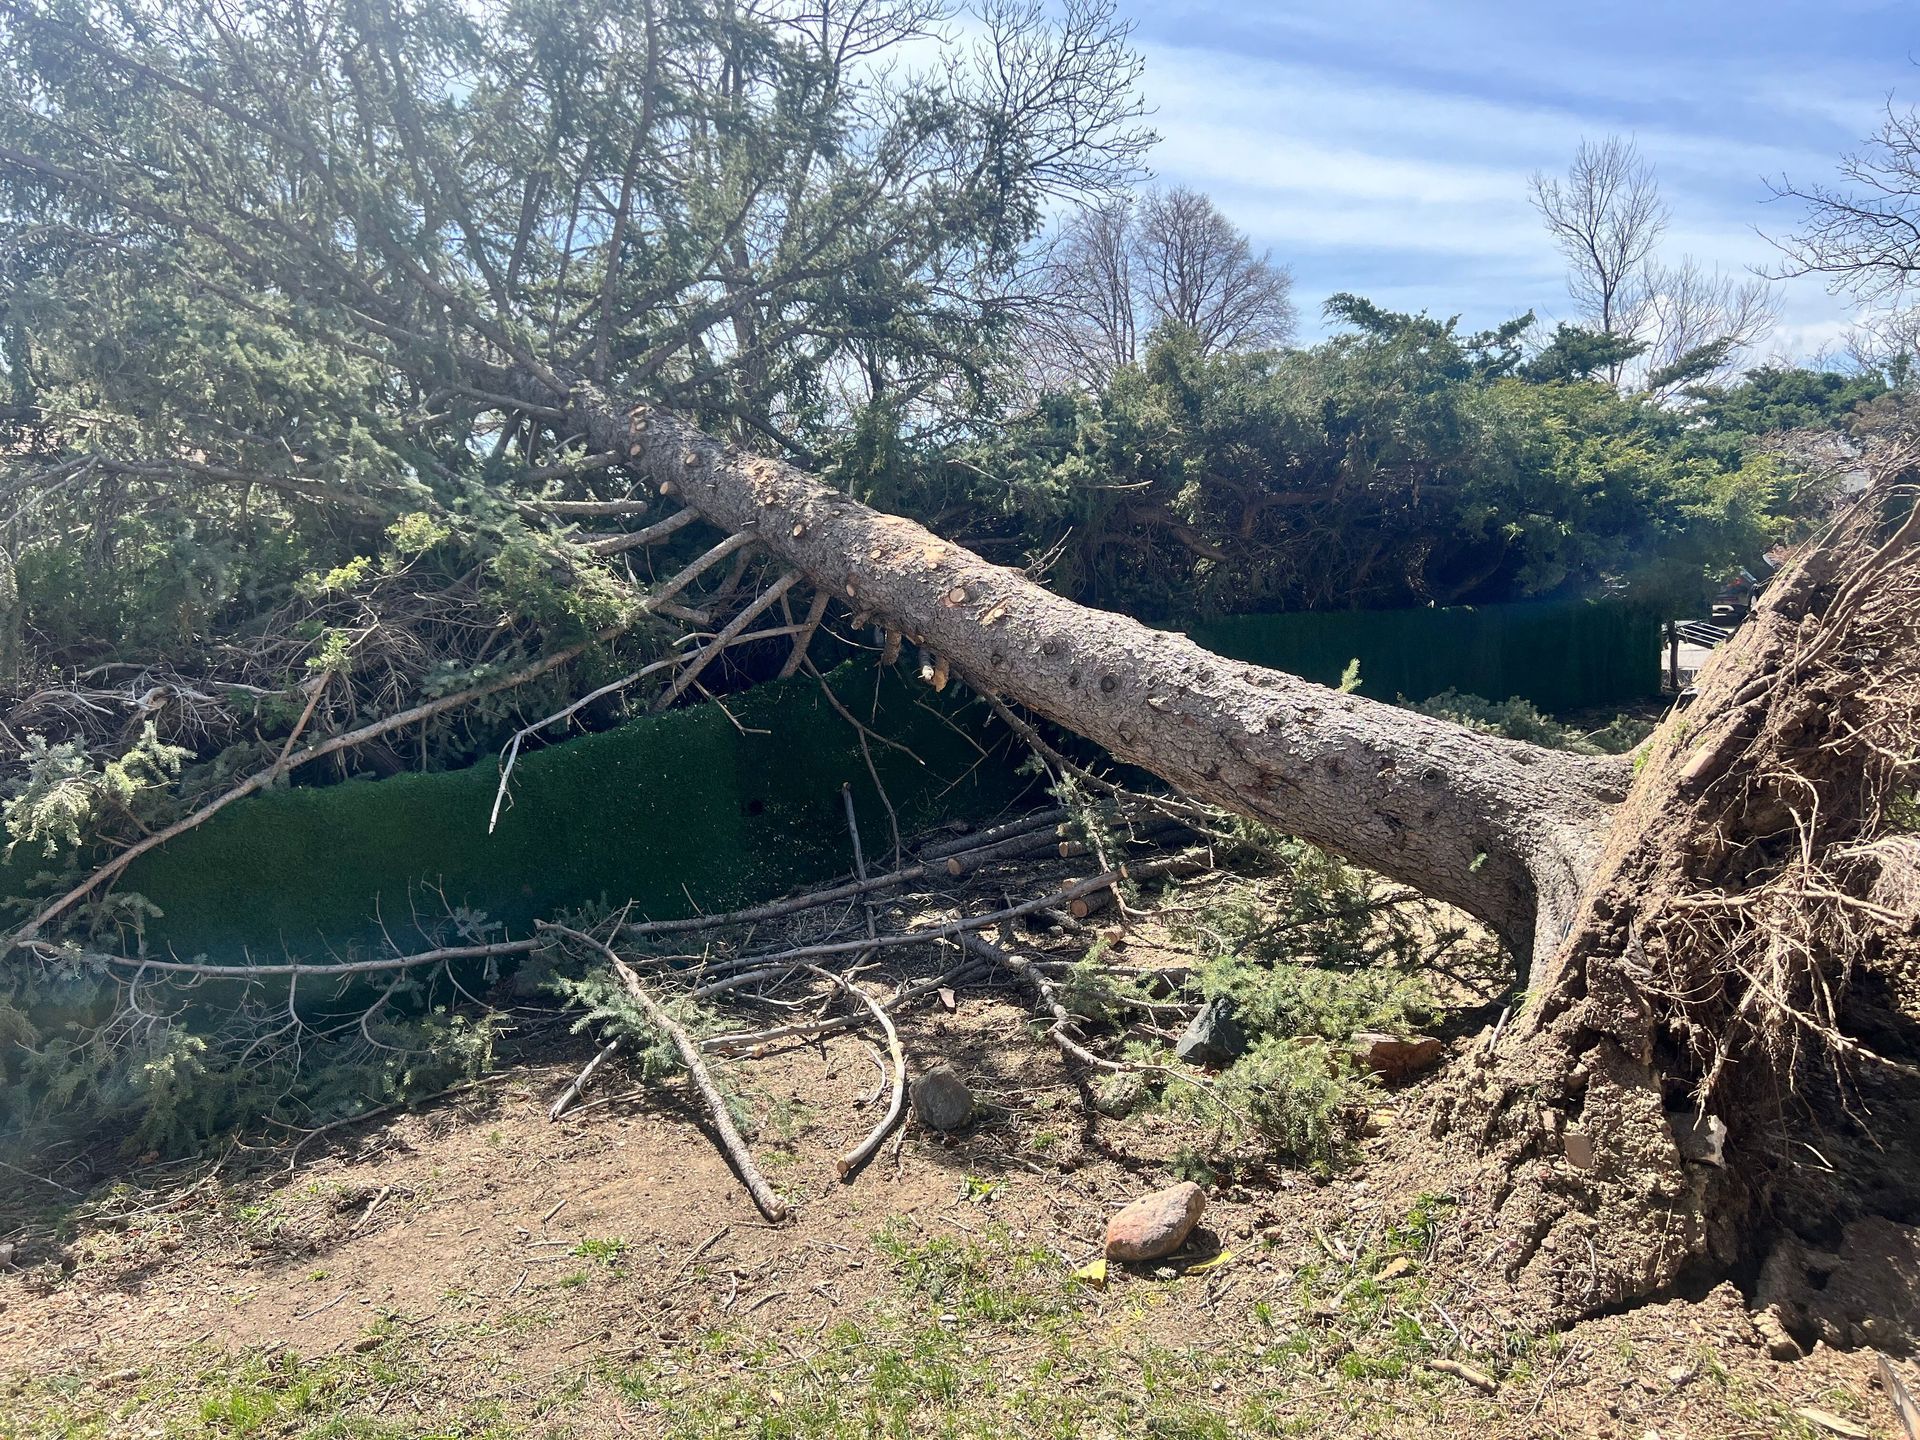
[(974, 1336), (607, 1250)]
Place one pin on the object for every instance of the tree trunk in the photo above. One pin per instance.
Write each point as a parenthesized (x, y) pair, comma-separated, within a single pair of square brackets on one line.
[(1654, 993), (1506, 831)]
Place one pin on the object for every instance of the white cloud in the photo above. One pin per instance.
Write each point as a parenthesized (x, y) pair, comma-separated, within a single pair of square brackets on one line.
[(1413, 189)]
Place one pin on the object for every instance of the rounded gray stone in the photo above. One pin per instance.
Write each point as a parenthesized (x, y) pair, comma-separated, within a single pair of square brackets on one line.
[(941, 1099)]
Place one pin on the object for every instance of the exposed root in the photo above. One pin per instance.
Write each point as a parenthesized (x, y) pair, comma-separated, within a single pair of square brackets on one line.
[(1762, 866)]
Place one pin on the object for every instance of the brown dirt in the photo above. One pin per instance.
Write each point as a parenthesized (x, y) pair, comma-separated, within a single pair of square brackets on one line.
[(455, 1229), (1737, 954)]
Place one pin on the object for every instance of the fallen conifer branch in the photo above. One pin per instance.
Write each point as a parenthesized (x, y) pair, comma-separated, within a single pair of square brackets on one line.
[(567, 1096), (803, 638), (1065, 1031), (1023, 825), (511, 753), (754, 1043), (727, 636), (442, 955), (954, 929), (770, 1204), (261, 779), (634, 539)]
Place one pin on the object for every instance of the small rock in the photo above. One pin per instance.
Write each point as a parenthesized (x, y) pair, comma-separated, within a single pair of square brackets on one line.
[(1679, 1374), (1214, 1037), (1702, 1139), (1156, 1225), (1117, 1095), (1396, 1058), (7, 1252), (1780, 1344), (941, 1099), (1579, 1148)]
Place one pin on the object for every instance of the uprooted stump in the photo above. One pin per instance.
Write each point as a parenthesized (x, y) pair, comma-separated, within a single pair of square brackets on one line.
[(1756, 890)]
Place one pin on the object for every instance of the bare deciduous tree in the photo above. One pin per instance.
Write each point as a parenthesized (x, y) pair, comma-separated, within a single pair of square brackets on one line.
[(1092, 328), (1606, 215), (1697, 322), (1198, 271), (1885, 342), (1171, 258), (1863, 235)]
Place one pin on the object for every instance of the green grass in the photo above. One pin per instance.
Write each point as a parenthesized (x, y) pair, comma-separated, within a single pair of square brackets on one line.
[(972, 1337), (607, 1251)]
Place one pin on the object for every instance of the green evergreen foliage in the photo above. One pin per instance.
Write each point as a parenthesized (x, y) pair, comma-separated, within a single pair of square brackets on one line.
[(1291, 1097), (75, 1065), (1400, 463), (59, 801), (1517, 719), (266, 286)]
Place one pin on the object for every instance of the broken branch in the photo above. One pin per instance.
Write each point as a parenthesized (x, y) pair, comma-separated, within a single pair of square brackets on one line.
[(770, 1204)]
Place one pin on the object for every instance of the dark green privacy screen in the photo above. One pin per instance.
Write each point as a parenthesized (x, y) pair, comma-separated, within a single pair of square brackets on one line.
[(697, 810), (677, 812), (1561, 655)]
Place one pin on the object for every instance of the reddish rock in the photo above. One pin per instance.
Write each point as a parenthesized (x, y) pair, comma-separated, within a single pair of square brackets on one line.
[(1156, 1225), (1395, 1058)]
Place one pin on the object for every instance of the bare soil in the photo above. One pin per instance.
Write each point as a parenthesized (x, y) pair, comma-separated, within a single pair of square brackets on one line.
[(472, 1269)]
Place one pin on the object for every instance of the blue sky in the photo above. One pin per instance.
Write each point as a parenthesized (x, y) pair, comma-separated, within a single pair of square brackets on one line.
[(1383, 146)]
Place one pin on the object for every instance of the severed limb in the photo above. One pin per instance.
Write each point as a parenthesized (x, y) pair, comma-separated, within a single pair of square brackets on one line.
[(1024, 825), (695, 569), (773, 910), (753, 1044), (635, 539), (816, 612), (572, 1093), (1065, 1032), (748, 965), (850, 1162), (771, 1205)]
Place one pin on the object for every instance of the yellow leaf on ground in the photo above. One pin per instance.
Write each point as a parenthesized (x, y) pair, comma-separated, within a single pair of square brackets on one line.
[(1214, 1264), (1094, 1273)]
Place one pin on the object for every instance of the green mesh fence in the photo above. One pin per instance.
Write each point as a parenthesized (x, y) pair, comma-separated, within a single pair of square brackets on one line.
[(697, 810), (1561, 655), (677, 812)]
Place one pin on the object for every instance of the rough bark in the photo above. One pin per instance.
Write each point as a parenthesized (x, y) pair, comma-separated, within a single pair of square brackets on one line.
[(1744, 887), (1506, 831), (1579, 1195)]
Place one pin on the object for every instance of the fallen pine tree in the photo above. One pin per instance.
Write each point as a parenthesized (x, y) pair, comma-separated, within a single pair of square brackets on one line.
[(441, 305)]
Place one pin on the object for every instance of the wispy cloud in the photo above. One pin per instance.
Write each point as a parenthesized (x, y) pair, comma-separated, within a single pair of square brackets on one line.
[(1385, 145)]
